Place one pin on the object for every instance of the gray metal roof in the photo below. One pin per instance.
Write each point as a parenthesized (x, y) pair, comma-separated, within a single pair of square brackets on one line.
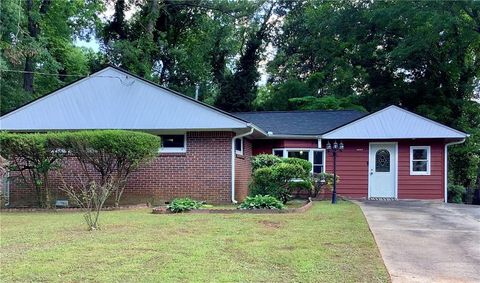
[(300, 122), (115, 99), (394, 122)]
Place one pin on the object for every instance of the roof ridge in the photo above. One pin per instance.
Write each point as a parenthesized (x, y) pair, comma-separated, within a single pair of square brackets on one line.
[(298, 111)]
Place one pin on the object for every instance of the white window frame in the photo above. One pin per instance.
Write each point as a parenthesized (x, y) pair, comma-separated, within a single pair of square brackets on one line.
[(239, 152), (421, 173), (310, 154), (174, 149)]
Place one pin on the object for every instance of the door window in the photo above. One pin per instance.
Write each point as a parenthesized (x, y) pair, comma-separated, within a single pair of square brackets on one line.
[(382, 161)]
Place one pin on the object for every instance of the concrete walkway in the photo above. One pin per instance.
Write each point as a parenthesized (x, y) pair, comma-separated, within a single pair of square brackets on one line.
[(425, 241)]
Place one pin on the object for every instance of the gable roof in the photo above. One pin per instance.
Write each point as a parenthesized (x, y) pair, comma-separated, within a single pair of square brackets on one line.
[(300, 123), (393, 122), (113, 98)]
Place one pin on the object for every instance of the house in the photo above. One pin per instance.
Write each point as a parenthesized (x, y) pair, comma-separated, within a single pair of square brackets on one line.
[(205, 152)]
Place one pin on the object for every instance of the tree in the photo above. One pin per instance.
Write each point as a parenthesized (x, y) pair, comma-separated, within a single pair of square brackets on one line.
[(34, 157), (108, 157), (37, 36), (420, 55)]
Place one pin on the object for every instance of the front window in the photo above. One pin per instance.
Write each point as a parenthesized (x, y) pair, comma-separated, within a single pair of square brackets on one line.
[(419, 160), (302, 154), (315, 156), (173, 143)]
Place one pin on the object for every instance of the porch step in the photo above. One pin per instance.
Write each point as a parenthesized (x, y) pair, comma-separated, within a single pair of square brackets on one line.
[(383, 199)]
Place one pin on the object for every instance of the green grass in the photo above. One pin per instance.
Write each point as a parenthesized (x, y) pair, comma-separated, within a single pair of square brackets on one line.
[(326, 244)]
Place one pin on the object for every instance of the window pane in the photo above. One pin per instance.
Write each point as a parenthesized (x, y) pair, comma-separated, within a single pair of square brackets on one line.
[(298, 154), (172, 140), (382, 161), (318, 157), (419, 166), (278, 153), (238, 144), (317, 168), (420, 154)]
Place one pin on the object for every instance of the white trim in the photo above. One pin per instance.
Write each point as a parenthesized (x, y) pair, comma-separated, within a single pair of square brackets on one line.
[(310, 151), (395, 171), (174, 149), (420, 173), (233, 158), (319, 143), (445, 164), (239, 152)]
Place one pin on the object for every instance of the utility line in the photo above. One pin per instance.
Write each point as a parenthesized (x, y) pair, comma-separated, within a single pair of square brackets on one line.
[(68, 75)]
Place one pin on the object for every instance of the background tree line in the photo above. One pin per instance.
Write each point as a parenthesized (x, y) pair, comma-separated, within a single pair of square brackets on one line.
[(422, 55)]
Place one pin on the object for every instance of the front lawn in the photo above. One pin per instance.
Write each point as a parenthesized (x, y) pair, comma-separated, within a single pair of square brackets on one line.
[(326, 244)]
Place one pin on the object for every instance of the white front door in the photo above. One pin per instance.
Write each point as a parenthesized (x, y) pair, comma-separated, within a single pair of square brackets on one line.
[(382, 170)]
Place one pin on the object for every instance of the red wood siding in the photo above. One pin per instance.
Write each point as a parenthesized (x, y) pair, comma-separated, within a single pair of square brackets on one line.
[(266, 146), (421, 186), (352, 169)]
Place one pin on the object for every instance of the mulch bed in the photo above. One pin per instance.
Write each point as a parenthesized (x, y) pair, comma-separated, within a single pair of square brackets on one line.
[(303, 208)]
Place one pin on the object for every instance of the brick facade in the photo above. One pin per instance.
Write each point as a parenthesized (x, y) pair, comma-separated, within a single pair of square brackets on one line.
[(243, 171), (203, 172)]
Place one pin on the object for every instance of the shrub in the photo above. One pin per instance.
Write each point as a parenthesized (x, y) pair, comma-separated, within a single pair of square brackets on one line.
[(275, 180), (184, 204), (456, 193), (261, 202), (34, 156), (264, 160), (305, 164), (321, 181), (113, 154)]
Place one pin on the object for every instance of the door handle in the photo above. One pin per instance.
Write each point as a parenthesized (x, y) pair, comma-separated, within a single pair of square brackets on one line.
[(371, 171)]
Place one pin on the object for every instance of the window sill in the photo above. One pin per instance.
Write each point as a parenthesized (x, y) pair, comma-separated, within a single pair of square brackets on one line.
[(419, 173), (240, 156), (172, 154)]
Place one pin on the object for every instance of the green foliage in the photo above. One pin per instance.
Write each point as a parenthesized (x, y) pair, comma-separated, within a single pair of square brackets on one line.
[(322, 181), (305, 164), (114, 154), (183, 204), (276, 177), (264, 160), (456, 193), (261, 202), (34, 156)]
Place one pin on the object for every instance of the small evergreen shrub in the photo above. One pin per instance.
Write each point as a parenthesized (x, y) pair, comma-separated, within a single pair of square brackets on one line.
[(456, 193), (305, 164), (264, 160), (275, 180), (261, 202), (184, 204)]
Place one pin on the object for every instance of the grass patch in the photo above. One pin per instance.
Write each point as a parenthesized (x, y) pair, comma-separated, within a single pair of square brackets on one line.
[(328, 243)]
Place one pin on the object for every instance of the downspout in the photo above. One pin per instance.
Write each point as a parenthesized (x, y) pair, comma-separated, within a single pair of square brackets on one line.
[(234, 155), (446, 168)]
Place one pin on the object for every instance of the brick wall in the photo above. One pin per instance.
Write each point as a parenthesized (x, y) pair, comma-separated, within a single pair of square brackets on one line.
[(202, 173), (243, 171)]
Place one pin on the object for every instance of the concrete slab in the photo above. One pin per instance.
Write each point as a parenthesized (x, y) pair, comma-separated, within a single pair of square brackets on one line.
[(426, 241)]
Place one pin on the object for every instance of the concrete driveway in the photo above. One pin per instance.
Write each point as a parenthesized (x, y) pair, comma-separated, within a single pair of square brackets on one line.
[(425, 241)]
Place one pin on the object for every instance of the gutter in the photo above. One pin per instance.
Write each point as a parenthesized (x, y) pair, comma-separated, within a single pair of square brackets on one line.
[(234, 155), (446, 167)]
